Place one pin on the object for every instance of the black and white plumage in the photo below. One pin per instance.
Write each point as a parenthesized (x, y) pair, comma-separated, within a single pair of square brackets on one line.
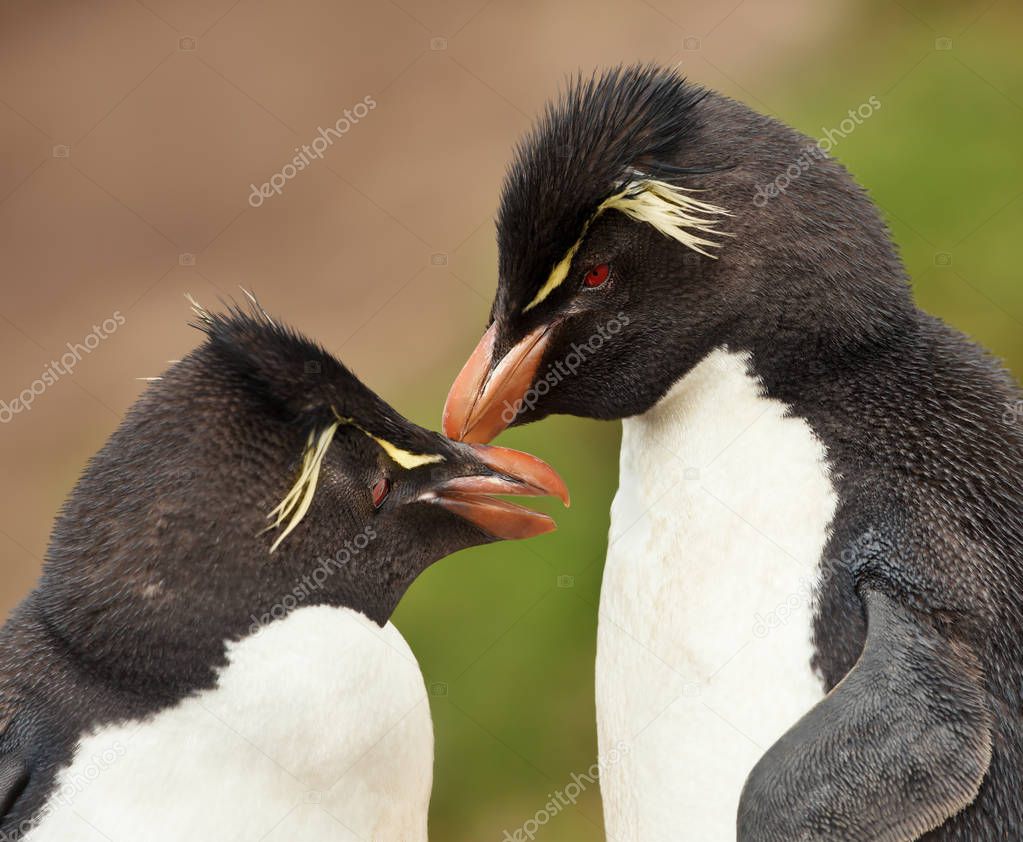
[(181, 671), (812, 606)]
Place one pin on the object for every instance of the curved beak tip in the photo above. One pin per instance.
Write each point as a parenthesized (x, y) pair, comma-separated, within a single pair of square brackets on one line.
[(498, 518), (487, 393), (550, 526), (448, 425), (531, 471), (511, 472)]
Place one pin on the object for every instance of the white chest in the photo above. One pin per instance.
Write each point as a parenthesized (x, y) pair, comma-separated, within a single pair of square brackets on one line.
[(319, 729), (704, 643)]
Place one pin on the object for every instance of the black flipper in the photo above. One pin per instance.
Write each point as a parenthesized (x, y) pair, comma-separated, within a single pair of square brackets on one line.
[(13, 778), (899, 746)]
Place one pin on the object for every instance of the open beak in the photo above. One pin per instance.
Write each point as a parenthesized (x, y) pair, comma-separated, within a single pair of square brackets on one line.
[(485, 398), (515, 473)]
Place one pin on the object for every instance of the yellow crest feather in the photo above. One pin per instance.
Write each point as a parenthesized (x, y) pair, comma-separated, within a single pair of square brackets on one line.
[(668, 208), (298, 500), (405, 458)]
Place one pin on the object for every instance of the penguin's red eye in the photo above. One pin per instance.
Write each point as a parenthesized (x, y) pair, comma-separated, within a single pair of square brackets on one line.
[(597, 275), (380, 491)]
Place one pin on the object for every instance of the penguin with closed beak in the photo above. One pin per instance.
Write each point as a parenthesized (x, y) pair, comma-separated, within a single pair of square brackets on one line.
[(208, 654), (811, 617)]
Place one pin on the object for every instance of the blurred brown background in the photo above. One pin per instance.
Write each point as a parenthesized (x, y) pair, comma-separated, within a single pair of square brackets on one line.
[(133, 133)]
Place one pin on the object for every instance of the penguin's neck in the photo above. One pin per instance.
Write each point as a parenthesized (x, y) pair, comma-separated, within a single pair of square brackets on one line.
[(150, 631), (717, 530)]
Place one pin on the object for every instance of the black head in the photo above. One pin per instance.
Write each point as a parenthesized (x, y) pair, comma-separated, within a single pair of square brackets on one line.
[(645, 221), (258, 475)]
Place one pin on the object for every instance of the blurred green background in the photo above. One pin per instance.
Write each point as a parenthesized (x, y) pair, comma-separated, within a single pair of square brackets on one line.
[(384, 251)]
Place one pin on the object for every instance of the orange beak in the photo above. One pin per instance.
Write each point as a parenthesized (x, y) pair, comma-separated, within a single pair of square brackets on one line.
[(485, 398), (514, 473)]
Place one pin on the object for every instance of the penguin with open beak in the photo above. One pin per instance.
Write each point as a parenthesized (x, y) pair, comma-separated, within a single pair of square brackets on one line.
[(208, 654), (812, 606)]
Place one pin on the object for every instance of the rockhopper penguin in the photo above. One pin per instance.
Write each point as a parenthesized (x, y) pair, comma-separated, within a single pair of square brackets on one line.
[(189, 669), (811, 619)]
